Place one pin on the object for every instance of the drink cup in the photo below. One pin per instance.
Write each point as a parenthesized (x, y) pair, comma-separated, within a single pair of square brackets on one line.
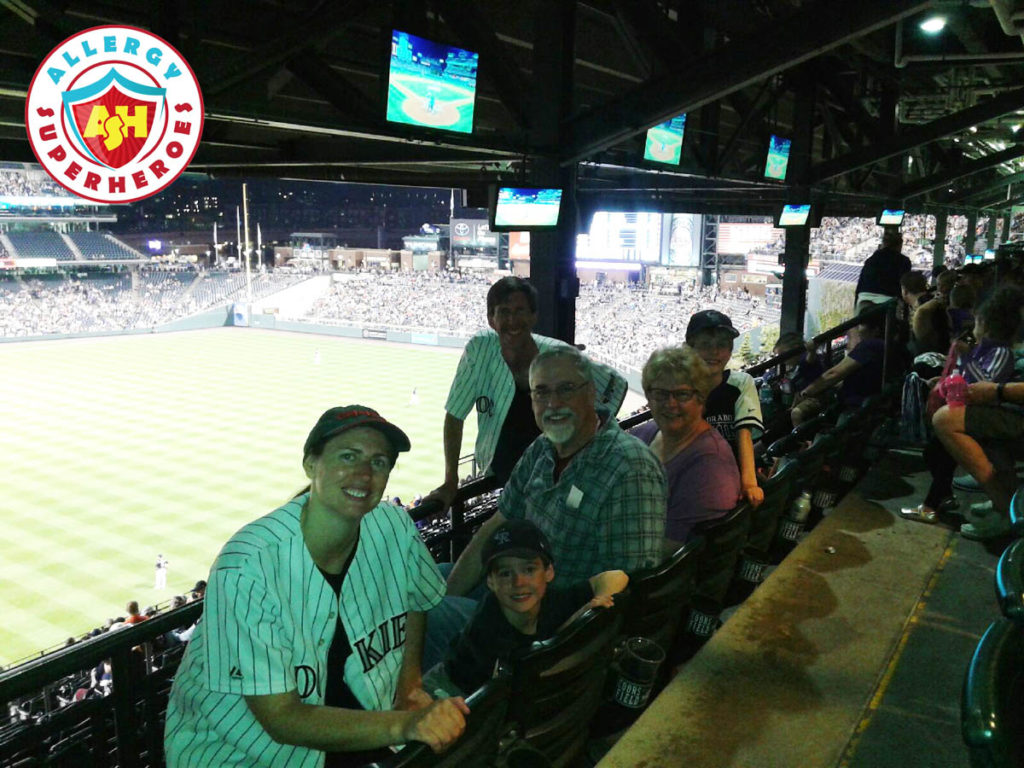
[(637, 665)]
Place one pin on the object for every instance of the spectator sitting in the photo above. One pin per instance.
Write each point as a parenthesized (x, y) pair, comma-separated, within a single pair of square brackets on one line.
[(493, 377), (798, 371), (989, 360), (859, 373), (732, 407), (703, 479), (961, 310), (134, 617), (929, 324), (611, 513), (520, 608), (597, 493), (975, 437)]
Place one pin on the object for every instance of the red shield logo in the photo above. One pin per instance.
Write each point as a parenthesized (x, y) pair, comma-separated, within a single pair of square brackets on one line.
[(115, 126)]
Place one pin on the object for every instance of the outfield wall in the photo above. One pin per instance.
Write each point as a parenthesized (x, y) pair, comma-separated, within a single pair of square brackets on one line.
[(211, 318)]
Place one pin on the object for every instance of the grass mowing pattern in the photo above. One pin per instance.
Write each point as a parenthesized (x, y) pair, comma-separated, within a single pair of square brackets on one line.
[(116, 449)]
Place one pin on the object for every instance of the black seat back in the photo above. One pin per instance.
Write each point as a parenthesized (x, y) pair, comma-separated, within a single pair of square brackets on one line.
[(778, 494), (658, 596), (723, 540), (557, 684)]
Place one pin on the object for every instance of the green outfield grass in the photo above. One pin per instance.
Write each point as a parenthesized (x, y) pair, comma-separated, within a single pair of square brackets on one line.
[(116, 449)]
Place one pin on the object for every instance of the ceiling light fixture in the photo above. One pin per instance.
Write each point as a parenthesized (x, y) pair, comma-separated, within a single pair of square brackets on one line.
[(933, 25)]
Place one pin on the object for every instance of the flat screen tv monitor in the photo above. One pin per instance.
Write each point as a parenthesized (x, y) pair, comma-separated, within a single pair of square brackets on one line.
[(778, 158), (795, 215), (665, 141), (525, 209), (891, 217), (431, 85)]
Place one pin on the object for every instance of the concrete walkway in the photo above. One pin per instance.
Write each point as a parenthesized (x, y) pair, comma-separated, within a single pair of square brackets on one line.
[(852, 652)]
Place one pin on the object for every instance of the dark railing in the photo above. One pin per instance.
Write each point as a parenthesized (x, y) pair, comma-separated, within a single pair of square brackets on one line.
[(125, 728)]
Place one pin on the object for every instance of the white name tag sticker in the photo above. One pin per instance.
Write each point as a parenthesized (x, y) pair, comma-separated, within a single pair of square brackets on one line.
[(574, 498)]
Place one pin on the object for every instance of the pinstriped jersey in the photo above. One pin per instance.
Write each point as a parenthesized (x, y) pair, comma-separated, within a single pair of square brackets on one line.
[(484, 381), (267, 626)]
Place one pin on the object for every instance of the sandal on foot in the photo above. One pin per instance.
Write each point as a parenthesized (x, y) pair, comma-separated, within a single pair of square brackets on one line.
[(922, 513)]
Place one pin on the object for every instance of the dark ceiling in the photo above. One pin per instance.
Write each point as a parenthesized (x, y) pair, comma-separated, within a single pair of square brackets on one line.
[(878, 111)]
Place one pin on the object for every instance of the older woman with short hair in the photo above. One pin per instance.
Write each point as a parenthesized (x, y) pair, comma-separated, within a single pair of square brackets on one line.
[(703, 479)]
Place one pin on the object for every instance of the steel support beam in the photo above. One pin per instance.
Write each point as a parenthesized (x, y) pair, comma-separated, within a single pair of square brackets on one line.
[(915, 137), (282, 45), (817, 27), (939, 180), (798, 239), (988, 190), (552, 265), (502, 72), (339, 92), (939, 246)]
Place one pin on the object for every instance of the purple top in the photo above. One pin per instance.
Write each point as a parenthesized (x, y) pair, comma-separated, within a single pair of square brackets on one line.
[(988, 361), (703, 480)]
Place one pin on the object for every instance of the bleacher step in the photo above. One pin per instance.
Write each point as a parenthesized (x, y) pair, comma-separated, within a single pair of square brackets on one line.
[(785, 682)]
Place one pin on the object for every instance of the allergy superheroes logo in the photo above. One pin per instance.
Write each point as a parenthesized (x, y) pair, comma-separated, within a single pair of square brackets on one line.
[(114, 114)]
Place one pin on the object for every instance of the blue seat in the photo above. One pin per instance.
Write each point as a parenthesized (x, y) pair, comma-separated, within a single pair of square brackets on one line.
[(1010, 582), (992, 703), (1017, 512)]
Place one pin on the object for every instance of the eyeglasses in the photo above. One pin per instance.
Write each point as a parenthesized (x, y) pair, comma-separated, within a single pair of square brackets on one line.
[(562, 391), (662, 396)]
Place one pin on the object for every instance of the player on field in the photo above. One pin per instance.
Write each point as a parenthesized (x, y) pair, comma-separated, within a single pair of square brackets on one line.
[(312, 630)]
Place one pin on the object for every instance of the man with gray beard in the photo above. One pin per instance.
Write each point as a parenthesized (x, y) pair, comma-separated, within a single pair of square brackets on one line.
[(597, 493)]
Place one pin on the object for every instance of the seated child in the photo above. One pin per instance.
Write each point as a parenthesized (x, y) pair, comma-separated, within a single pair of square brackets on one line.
[(519, 609)]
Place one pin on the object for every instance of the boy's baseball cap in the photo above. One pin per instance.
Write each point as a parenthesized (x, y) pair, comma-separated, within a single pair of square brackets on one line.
[(517, 538), (334, 421), (710, 320)]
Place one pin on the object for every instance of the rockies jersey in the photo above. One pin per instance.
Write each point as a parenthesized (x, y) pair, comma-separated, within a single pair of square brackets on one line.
[(267, 626), (484, 381), (734, 405)]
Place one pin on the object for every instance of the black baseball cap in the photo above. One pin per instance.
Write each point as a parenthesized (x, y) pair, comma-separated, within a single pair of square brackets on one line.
[(516, 538), (334, 421), (710, 320)]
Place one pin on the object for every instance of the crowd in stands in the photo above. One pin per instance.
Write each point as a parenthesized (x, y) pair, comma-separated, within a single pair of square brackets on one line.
[(606, 315), (34, 307), (19, 183)]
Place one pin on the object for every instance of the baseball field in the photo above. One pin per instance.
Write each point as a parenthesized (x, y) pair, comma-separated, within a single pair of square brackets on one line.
[(121, 448)]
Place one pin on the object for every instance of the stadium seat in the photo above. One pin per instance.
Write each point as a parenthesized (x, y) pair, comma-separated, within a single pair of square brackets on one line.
[(1017, 512), (657, 596), (1010, 582), (477, 748), (764, 523), (557, 685), (810, 463), (992, 703), (724, 538)]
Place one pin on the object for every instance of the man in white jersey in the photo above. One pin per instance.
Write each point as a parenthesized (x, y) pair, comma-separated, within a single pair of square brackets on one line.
[(313, 623), (493, 377)]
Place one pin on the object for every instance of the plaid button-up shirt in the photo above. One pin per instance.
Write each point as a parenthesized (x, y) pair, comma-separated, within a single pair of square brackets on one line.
[(605, 512)]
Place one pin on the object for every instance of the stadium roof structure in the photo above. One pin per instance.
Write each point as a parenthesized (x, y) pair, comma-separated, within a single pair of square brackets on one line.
[(879, 112)]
